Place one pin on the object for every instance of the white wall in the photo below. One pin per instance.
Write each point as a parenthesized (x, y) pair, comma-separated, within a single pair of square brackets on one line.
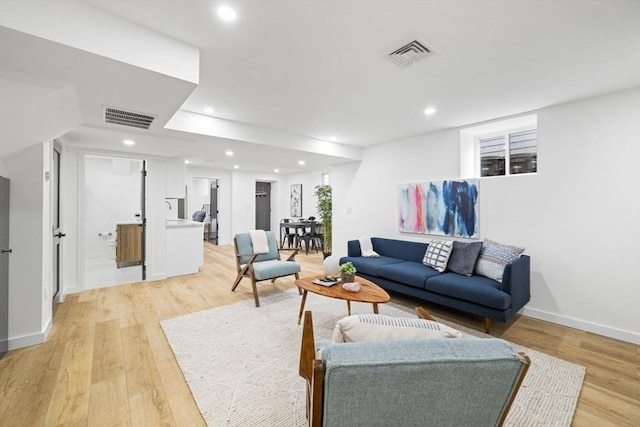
[(156, 237), (243, 200), (578, 217), (30, 262)]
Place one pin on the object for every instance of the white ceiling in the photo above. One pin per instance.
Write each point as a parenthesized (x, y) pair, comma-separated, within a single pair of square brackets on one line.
[(295, 72)]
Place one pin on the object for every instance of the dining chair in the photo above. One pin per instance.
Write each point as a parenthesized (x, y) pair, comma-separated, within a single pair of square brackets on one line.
[(310, 237), (286, 234)]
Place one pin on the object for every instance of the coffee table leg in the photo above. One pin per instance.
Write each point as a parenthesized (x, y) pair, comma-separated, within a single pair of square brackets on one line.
[(304, 299), (348, 308), (375, 308)]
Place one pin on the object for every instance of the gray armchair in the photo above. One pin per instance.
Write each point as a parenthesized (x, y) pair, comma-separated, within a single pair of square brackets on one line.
[(420, 382)]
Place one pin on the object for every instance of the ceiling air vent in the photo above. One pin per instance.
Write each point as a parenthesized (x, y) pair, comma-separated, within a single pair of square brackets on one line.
[(118, 116), (410, 53)]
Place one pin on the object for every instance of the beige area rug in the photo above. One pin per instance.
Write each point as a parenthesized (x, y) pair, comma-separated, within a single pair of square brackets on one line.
[(241, 363)]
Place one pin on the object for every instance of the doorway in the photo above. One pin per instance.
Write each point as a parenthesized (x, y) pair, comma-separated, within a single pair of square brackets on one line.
[(113, 200), (263, 206), (203, 206)]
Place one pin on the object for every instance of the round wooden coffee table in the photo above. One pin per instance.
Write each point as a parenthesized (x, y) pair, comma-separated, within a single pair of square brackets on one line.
[(369, 292)]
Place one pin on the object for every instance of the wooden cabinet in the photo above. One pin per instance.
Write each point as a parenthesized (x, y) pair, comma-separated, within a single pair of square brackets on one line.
[(128, 245)]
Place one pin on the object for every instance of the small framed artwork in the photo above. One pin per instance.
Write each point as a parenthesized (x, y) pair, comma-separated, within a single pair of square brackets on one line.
[(296, 200)]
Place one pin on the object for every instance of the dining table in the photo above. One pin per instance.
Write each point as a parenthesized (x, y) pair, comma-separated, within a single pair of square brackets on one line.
[(299, 229)]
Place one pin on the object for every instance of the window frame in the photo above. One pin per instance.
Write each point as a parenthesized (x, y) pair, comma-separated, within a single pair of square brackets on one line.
[(505, 133)]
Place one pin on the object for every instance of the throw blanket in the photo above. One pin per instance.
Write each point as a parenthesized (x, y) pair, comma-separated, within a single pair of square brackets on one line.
[(259, 241), (366, 247)]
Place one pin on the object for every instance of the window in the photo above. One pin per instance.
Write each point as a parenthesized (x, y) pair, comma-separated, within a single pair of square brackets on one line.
[(522, 149), (500, 148)]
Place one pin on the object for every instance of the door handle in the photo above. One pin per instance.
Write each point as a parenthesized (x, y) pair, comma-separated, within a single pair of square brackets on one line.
[(6, 251), (59, 235)]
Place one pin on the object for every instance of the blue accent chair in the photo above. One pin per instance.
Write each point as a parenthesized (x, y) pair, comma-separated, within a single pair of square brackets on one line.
[(259, 267), (419, 382)]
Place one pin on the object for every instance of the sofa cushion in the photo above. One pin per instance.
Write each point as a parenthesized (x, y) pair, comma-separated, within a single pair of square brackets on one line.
[(378, 327), (464, 257), (437, 254), (476, 289), (408, 273), (494, 257), (371, 265)]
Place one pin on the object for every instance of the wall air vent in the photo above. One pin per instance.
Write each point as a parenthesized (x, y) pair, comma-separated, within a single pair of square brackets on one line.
[(410, 53), (118, 116)]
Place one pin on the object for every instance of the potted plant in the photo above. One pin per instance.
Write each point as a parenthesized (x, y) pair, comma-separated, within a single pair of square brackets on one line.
[(347, 272), (325, 208)]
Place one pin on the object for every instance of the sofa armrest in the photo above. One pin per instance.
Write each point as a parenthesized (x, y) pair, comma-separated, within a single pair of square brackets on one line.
[(353, 248), (516, 281)]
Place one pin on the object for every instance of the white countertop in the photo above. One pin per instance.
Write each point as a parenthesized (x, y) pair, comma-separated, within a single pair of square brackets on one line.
[(176, 223), (128, 222)]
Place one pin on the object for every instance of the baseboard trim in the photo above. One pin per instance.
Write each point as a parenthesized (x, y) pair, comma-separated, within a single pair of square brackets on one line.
[(29, 340), (157, 276), (607, 331)]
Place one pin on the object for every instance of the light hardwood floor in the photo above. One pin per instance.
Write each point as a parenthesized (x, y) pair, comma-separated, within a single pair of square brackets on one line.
[(106, 361)]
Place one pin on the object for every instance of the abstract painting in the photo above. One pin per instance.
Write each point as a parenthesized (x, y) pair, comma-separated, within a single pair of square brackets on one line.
[(446, 208), (296, 200)]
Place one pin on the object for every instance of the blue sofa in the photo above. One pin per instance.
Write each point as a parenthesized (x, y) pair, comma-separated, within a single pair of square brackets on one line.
[(399, 268)]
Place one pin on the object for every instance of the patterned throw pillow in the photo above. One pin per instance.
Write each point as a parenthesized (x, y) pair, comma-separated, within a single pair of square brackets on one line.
[(494, 257), (437, 255), (378, 327)]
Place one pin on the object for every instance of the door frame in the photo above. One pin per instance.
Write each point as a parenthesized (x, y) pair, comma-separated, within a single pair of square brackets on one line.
[(57, 295), (82, 205)]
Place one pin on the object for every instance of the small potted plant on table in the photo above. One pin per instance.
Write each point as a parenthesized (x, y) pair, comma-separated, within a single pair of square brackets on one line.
[(347, 272)]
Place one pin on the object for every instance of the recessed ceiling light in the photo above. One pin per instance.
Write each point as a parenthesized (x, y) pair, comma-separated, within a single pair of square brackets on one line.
[(228, 153), (186, 162), (429, 111), (208, 110), (333, 138), (128, 142), (276, 170), (236, 167), (301, 162), (227, 14)]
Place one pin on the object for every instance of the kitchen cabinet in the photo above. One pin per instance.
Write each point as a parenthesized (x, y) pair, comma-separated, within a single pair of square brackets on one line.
[(185, 248), (128, 244)]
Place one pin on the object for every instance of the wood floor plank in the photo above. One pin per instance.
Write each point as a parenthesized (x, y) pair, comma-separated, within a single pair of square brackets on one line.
[(109, 403), (70, 396), (108, 359), (107, 362)]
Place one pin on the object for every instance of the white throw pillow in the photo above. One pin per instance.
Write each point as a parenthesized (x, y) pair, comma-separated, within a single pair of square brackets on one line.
[(378, 327), (437, 254)]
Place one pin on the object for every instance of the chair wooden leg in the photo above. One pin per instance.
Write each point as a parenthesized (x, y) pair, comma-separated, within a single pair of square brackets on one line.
[(241, 273), (235, 284), (255, 292), (487, 324), (424, 314)]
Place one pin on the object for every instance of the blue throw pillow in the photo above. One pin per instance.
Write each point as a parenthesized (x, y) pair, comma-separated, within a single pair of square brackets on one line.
[(463, 257), (198, 216)]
